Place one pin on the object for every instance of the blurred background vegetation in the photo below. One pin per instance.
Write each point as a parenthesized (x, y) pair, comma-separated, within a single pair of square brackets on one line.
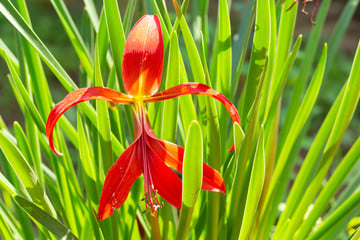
[(47, 25)]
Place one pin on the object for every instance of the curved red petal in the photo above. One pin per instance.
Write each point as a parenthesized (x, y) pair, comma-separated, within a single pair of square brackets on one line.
[(143, 57), (118, 182), (199, 89), (172, 155), (166, 182), (79, 96)]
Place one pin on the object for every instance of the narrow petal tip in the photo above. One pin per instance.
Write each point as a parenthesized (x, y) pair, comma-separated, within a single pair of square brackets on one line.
[(105, 212), (232, 148)]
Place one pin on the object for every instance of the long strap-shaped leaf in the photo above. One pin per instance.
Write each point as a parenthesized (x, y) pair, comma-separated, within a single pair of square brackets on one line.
[(50, 223), (13, 16), (25, 173), (74, 36)]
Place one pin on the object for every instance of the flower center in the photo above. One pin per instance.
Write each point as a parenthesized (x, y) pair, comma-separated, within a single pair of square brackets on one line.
[(151, 201)]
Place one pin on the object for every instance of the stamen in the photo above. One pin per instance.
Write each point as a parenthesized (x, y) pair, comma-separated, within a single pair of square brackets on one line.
[(151, 201)]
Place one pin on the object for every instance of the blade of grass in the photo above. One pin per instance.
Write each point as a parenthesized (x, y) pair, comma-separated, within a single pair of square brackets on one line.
[(241, 180), (339, 31), (242, 44), (8, 227), (342, 121), (223, 53), (170, 113), (49, 222), (322, 137), (92, 12), (103, 120), (332, 185), (258, 57), (13, 16), (305, 70), (37, 82), (303, 113), (328, 228), (116, 36), (25, 173), (255, 188), (285, 38), (129, 14), (74, 36), (278, 90)]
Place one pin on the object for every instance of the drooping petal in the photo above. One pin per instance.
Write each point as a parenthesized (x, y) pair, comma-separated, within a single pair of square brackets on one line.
[(118, 182), (173, 155), (79, 96), (166, 182), (143, 58), (199, 89)]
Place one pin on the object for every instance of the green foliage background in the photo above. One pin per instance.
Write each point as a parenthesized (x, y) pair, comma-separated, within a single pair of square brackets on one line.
[(295, 171)]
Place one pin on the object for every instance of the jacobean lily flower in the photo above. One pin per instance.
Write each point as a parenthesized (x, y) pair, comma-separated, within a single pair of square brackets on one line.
[(156, 159)]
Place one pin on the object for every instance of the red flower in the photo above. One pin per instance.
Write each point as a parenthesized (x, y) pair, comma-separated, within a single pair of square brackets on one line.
[(142, 71)]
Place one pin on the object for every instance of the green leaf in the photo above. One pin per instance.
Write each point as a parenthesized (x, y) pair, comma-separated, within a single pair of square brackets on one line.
[(103, 121), (37, 82), (328, 228), (275, 95), (8, 227), (11, 14), (91, 10), (304, 71), (24, 147), (192, 168), (192, 178), (116, 35), (347, 109), (50, 223), (341, 112), (332, 186), (339, 31), (240, 47), (223, 46), (24, 94), (302, 114), (74, 36), (6, 185), (255, 188), (87, 160), (129, 14), (171, 107), (285, 38), (25, 173), (258, 56)]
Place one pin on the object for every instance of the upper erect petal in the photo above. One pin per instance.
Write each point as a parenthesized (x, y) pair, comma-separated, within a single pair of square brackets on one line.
[(143, 58), (79, 96), (118, 182), (173, 155), (200, 89)]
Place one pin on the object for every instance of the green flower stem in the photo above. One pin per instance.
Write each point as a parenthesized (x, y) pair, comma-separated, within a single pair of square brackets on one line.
[(184, 222), (154, 223)]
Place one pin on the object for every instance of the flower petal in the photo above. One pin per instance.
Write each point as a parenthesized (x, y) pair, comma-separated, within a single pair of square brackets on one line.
[(172, 155), (199, 89), (143, 57), (79, 96), (118, 182), (166, 182)]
